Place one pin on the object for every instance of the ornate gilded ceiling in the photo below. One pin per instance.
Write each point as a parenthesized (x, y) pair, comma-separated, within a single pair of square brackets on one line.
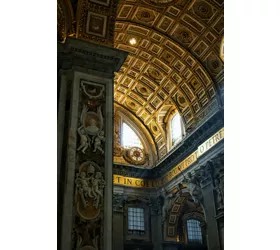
[(175, 62)]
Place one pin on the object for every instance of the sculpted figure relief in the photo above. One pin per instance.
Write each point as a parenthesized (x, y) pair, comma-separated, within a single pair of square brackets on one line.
[(84, 141), (98, 185), (91, 131), (194, 188), (97, 142), (94, 120), (167, 202), (90, 185)]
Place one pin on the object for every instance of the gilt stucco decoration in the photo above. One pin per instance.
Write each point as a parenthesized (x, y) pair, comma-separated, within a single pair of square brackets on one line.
[(174, 63)]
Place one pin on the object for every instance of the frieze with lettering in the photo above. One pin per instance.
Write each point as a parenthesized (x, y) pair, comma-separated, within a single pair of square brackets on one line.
[(187, 162)]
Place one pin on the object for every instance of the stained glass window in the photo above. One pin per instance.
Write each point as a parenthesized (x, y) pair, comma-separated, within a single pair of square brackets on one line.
[(129, 137), (176, 129), (136, 220), (194, 231)]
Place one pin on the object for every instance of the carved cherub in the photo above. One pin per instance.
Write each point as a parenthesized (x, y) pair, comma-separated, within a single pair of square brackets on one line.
[(98, 185), (85, 191), (85, 140), (97, 141)]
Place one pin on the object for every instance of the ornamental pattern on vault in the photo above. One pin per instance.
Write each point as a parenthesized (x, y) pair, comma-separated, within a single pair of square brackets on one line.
[(174, 62)]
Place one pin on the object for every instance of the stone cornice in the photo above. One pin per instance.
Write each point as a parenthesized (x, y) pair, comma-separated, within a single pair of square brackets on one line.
[(75, 52)]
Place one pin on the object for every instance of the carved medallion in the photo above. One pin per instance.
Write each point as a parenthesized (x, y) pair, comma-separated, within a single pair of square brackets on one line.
[(203, 9), (92, 121), (89, 190), (183, 35), (155, 74), (145, 15), (214, 63)]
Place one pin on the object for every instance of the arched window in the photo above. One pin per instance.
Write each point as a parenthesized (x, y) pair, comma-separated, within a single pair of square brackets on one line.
[(194, 231), (129, 137), (176, 129)]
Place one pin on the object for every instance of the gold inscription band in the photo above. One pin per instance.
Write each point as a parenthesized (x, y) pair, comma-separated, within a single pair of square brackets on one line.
[(144, 183)]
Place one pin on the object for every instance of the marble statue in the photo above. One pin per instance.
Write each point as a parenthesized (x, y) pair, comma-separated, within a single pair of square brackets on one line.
[(167, 202), (194, 188)]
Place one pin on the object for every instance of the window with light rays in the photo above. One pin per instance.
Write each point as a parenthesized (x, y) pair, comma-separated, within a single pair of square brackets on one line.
[(176, 129), (129, 137)]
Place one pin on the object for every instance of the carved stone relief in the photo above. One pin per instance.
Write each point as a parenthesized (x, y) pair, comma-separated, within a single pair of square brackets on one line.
[(89, 190), (88, 235), (194, 188), (91, 130), (93, 91)]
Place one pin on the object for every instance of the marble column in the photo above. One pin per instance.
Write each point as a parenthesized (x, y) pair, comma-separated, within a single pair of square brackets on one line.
[(89, 147)]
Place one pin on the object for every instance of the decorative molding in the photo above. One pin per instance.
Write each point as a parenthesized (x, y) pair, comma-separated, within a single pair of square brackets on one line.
[(90, 56)]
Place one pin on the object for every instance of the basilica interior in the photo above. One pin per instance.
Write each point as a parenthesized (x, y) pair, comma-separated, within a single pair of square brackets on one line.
[(140, 124)]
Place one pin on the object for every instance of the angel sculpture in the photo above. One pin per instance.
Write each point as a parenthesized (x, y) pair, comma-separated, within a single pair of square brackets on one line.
[(98, 185), (85, 191), (84, 141), (97, 141)]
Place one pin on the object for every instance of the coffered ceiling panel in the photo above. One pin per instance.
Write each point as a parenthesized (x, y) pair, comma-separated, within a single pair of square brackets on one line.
[(173, 59)]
